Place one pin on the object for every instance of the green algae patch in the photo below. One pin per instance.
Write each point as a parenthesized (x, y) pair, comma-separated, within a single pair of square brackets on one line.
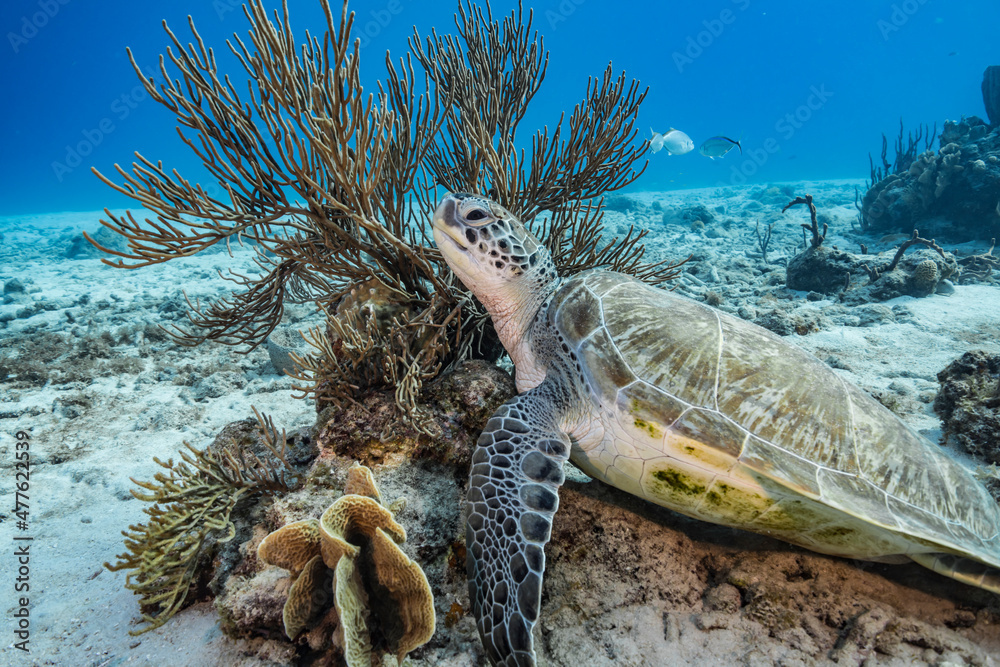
[(648, 427), (679, 483)]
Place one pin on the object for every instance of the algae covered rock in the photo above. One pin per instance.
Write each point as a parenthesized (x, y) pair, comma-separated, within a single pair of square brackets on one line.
[(917, 274), (689, 216), (822, 269), (79, 248), (459, 403), (360, 579), (337, 517), (969, 403)]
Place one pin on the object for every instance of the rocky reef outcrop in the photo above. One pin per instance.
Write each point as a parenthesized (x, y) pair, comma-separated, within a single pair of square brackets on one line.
[(952, 194), (869, 278), (969, 403), (259, 602)]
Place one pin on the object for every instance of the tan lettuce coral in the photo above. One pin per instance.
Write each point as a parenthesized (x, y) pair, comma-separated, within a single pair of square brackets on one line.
[(373, 580)]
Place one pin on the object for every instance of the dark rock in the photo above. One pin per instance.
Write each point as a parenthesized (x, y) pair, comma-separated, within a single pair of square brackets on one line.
[(775, 195), (991, 93), (823, 270), (874, 314), (221, 559), (621, 203), (969, 403), (81, 248), (218, 384), (13, 286), (458, 403), (837, 362), (688, 216), (786, 324), (777, 321)]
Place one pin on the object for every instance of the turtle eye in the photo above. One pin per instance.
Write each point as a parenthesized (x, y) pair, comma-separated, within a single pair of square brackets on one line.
[(475, 214)]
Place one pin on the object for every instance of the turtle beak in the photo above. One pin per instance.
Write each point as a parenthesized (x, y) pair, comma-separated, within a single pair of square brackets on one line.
[(446, 226)]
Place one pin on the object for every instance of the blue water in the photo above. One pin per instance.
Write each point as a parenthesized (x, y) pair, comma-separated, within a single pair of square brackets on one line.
[(809, 86)]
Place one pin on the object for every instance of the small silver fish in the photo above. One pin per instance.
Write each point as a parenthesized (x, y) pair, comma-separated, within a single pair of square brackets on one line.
[(656, 143), (674, 141), (718, 146)]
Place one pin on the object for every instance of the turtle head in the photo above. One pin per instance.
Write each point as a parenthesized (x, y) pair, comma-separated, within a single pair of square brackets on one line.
[(489, 249), (504, 265)]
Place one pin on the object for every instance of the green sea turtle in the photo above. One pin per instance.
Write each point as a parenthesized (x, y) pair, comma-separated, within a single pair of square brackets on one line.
[(689, 408)]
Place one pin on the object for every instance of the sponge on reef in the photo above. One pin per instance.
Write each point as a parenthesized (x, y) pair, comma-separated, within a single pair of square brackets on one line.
[(357, 539)]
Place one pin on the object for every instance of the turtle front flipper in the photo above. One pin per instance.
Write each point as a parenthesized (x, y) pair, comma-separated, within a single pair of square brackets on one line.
[(516, 471)]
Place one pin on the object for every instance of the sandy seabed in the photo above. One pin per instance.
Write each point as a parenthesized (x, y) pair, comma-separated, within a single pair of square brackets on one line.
[(107, 392)]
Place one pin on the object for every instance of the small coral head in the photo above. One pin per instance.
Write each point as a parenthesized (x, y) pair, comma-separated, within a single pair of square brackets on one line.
[(486, 245)]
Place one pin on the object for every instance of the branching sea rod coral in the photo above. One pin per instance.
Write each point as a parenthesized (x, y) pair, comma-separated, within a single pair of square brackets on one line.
[(317, 174), (335, 187)]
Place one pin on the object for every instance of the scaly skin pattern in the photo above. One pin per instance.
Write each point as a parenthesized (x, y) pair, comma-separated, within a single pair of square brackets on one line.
[(517, 469), (689, 408)]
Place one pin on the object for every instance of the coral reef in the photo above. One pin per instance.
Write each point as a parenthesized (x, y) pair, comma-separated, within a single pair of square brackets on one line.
[(192, 502), (429, 472), (374, 582), (968, 404), (953, 193)]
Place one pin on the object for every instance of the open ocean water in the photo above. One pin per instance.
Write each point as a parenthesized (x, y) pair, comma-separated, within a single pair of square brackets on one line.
[(812, 85)]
